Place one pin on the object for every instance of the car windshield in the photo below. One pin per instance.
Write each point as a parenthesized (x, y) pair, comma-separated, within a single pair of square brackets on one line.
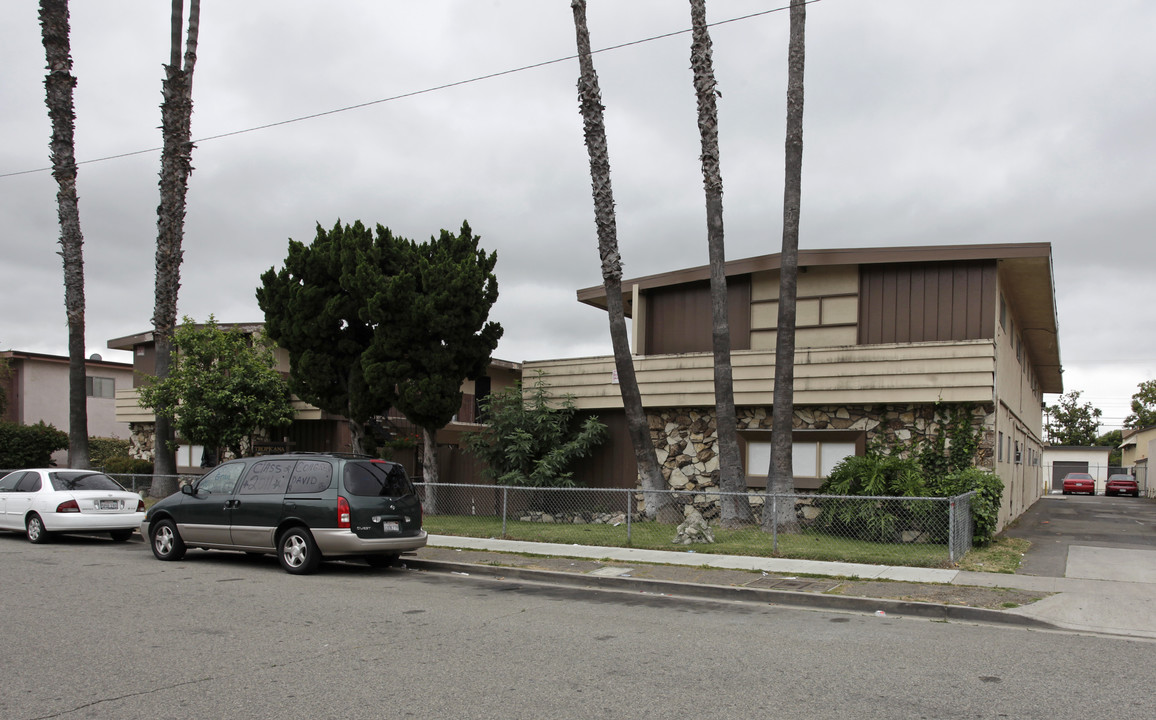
[(82, 481), (376, 478)]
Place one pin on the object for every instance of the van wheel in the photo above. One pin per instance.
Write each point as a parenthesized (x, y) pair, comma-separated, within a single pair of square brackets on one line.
[(297, 551), (383, 561), (166, 542)]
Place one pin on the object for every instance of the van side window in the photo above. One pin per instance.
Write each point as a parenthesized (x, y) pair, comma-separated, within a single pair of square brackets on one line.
[(221, 480), (377, 479), (268, 477), (311, 476)]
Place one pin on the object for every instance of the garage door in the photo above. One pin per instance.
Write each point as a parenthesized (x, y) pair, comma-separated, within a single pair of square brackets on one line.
[(1060, 469)]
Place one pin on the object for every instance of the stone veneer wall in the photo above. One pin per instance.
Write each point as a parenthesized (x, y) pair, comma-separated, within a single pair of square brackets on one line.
[(686, 439)]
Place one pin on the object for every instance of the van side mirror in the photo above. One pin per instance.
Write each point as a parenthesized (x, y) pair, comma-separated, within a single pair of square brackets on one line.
[(188, 489)]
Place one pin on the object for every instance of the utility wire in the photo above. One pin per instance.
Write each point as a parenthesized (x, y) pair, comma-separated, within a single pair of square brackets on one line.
[(415, 93)]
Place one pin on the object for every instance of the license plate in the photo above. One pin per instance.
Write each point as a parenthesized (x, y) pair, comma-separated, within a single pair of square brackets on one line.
[(390, 526), (108, 505)]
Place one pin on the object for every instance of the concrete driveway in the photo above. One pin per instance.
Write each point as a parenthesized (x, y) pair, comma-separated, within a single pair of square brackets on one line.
[(1089, 537)]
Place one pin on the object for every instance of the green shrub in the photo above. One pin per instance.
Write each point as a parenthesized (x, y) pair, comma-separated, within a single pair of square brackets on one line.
[(101, 449), (127, 466), (984, 505), (24, 446)]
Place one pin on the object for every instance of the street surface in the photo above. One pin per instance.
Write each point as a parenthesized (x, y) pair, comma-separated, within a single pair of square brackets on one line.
[(95, 629)]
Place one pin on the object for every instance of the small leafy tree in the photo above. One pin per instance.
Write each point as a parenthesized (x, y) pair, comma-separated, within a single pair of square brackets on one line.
[(222, 386), (531, 442), (1112, 439), (313, 310), (431, 329), (103, 449), (24, 446), (1143, 406), (1073, 424)]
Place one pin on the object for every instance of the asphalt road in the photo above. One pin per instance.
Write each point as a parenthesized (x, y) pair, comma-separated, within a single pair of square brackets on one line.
[(94, 629), (1057, 523)]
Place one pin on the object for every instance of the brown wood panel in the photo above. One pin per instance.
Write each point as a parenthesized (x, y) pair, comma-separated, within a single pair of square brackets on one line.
[(679, 317), (921, 302), (611, 464)]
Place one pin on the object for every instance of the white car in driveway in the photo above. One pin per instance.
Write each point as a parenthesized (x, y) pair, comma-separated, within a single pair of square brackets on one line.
[(39, 502)]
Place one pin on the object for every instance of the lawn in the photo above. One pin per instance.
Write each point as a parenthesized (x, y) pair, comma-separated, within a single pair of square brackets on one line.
[(658, 536)]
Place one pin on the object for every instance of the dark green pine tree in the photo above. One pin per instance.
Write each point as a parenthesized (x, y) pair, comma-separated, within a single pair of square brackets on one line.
[(433, 329), (314, 311)]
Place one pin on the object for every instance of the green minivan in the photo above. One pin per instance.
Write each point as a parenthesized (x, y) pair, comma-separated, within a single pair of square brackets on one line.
[(302, 507)]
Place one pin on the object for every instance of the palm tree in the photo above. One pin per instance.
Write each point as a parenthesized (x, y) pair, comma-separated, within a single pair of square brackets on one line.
[(659, 503), (781, 478), (736, 509), (58, 86), (176, 164)]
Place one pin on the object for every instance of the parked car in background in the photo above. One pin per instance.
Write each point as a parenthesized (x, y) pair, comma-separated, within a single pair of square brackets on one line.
[(40, 502), (1079, 483), (1122, 485), (301, 507)]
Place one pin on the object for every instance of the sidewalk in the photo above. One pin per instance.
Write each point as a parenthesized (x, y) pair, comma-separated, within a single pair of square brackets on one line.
[(1123, 605)]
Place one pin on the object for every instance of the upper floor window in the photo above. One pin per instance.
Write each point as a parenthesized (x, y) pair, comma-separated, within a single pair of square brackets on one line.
[(100, 387)]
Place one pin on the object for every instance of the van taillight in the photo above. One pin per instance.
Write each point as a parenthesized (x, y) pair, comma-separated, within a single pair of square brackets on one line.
[(342, 512)]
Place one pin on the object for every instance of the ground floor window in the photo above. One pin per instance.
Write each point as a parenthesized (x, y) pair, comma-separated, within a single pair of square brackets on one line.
[(813, 454)]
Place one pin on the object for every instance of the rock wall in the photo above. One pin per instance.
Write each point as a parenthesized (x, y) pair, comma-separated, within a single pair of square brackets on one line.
[(686, 439)]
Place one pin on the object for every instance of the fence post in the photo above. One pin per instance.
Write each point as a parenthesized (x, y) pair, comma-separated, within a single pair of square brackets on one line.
[(775, 523), (951, 531), (629, 513), (505, 504)]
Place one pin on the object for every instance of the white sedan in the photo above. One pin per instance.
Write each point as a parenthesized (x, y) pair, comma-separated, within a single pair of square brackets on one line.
[(40, 502)]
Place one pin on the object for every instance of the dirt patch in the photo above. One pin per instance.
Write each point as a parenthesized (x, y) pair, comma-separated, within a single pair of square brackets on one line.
[(967, 595)]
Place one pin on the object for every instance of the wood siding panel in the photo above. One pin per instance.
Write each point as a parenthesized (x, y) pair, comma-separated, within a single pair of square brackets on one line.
[(612, 463), (927, 302), (882, 373), (678, 318)]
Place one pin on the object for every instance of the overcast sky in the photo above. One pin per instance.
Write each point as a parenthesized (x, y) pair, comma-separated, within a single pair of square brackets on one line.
[(926, 122)]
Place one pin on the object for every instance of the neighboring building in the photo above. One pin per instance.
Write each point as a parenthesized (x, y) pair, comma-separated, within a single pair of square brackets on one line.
[(1137, 448), (313, 429), (37, 390), (884, 337), (1059, 460)]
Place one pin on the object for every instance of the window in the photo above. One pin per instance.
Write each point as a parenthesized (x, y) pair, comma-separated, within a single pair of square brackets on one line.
[(999, 447), (813, 454), (267, 477), (377, 479), (100, 387), (1002, 312), (221, 480), (311, 476)]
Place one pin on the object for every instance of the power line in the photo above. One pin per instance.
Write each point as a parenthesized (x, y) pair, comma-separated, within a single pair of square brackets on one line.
[(415, 93)]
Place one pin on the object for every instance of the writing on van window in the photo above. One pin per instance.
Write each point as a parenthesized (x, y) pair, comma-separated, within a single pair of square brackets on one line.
[(221, 480), (267, 477), (311, 476)]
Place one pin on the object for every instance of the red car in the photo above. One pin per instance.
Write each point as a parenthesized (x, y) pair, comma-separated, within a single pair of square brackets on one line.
[(1122, 485), (1079, 483)]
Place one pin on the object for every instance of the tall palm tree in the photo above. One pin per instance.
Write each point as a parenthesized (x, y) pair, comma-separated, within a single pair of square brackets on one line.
[(781, 475), (176, 164), (659, 503), (58, 86), (736, 509)]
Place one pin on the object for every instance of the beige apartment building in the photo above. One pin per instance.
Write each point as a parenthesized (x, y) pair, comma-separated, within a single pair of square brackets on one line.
[(886, 338)]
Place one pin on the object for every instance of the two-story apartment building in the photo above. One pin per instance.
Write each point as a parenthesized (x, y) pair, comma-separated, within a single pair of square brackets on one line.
[(312, 429), (886, 338)]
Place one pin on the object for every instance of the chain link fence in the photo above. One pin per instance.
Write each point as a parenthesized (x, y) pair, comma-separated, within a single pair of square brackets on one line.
[(923, 532)]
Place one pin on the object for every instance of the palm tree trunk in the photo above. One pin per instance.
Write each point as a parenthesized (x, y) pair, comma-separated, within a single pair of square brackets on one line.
[(176, 165), (781, 478), (736, 509), (58, 86), (659, 504)]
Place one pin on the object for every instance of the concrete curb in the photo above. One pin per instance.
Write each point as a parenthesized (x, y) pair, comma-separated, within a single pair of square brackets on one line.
[(842, 603)]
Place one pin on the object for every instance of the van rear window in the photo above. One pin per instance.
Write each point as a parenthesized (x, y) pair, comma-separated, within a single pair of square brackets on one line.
[(377, 479)]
